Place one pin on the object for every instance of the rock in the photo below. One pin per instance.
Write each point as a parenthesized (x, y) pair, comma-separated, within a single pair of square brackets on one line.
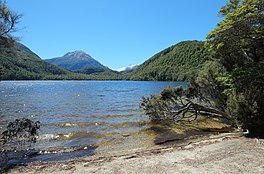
[(125, 134)]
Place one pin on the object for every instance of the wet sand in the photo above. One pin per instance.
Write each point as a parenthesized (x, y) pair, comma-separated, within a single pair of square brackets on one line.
[(222, 153)]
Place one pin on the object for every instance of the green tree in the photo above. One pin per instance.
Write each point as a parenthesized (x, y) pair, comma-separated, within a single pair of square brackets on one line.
[(238, 39), (237, 43)]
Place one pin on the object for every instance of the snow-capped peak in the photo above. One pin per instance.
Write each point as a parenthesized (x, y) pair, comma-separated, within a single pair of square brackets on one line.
[(78, 53), (128, 68)]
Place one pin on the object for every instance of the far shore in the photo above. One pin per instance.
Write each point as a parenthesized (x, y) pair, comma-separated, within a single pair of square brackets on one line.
[(220, 153)]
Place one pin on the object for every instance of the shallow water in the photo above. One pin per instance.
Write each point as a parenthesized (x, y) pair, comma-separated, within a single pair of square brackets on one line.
[(80, 115)]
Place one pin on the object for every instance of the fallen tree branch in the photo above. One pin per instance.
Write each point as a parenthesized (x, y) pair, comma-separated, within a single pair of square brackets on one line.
[(173, 104)]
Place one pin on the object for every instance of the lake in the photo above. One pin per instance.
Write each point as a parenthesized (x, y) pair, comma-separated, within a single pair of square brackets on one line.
[(80, 117)]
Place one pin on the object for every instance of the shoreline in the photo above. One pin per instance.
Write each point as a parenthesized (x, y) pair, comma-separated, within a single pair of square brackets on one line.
[(225, 152)]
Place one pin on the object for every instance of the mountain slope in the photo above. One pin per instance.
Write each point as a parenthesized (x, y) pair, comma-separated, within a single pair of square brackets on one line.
[(178, 62), (20, 63), (102, 73), (75, 60)]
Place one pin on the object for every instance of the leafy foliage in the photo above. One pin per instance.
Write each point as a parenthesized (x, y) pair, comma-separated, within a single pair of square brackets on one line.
[(209, 84), (237, 43), (238, 39), (163, 106), (179, 62)]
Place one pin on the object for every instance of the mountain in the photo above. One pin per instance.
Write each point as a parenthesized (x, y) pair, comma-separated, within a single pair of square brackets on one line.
[(177, 63), (75, 60), (20, 63)]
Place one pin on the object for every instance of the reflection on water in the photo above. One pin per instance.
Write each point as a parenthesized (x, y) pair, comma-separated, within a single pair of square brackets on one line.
[(77, 114)]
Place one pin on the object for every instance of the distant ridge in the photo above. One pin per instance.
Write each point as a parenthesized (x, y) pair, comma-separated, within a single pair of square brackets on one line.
[(75, 60)]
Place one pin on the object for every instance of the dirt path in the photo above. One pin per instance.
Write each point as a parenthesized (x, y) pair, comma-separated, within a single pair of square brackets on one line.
[(225, 153)]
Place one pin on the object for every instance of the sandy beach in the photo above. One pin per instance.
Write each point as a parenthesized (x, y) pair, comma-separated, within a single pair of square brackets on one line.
[(222, 153)]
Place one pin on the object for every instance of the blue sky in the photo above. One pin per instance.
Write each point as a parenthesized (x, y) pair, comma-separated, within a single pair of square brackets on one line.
[(114, 32)]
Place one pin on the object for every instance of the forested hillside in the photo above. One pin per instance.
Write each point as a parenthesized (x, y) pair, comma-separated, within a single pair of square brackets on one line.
[(178, 62), (20, 63)]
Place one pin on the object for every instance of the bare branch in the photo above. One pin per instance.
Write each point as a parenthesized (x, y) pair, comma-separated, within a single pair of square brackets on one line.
[(8, 22), (181, 106)]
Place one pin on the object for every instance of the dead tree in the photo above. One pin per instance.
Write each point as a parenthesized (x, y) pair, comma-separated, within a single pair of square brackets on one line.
[(8, 22)]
